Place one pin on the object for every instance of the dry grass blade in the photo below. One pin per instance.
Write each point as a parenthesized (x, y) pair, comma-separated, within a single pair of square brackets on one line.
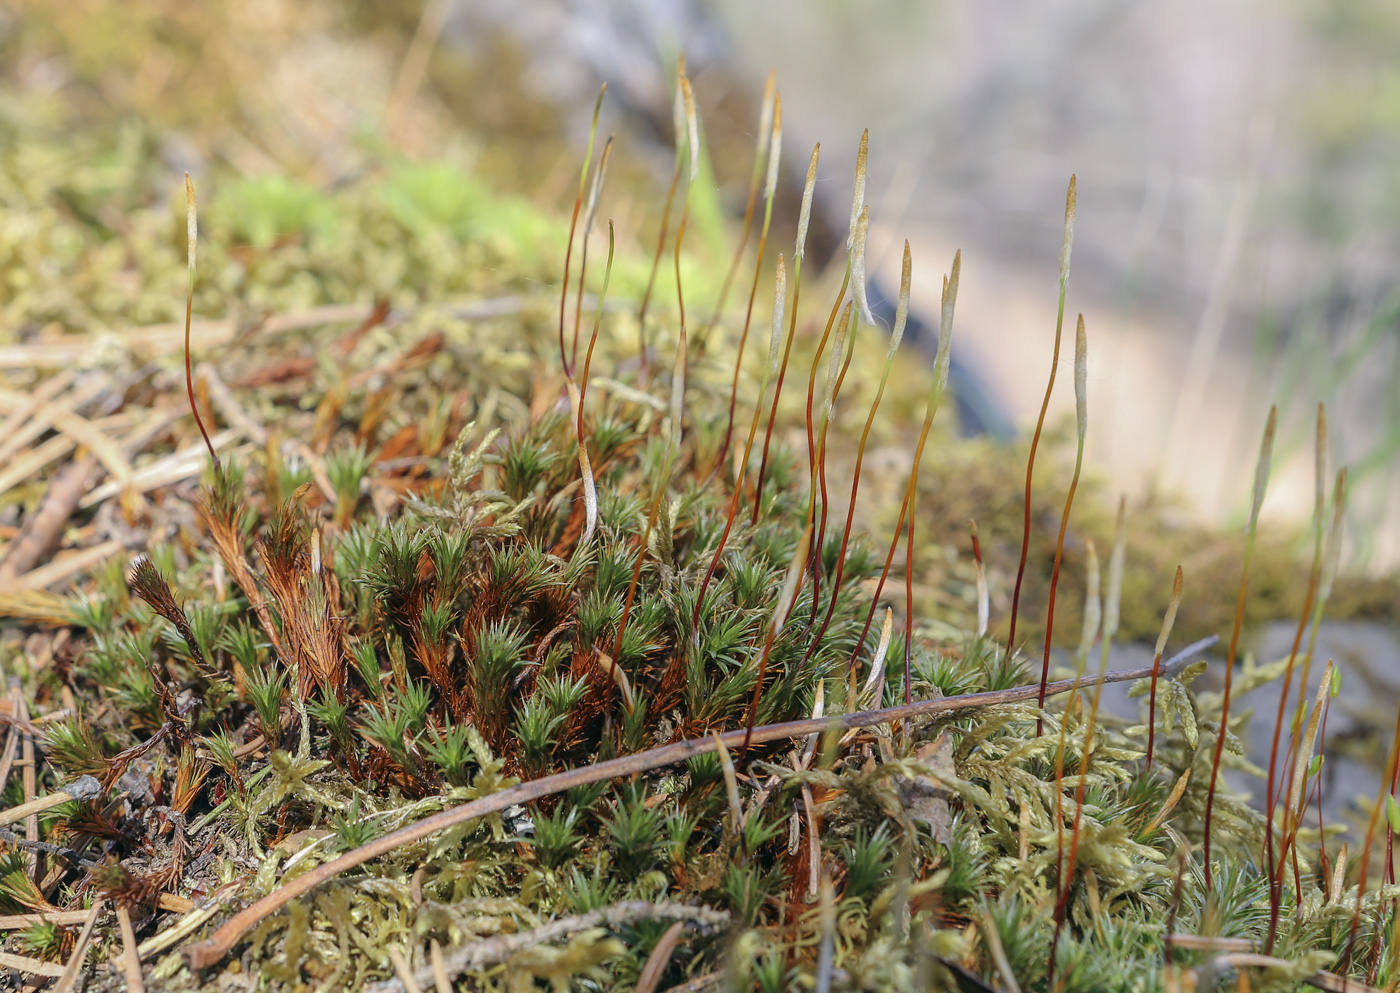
[(59, 570), (68, 979), (403, 970), (440, 980), (131, 962), (731, 786), (83, 788), (660, 956), (25, 965)]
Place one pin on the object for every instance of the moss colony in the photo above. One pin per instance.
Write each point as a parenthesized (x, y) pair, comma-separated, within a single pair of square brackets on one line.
[(421, 684)]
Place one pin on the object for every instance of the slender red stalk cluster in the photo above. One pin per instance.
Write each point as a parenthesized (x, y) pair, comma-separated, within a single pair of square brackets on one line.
[(1314, 575), (573, 226), (1261, 480), (1066, 248)]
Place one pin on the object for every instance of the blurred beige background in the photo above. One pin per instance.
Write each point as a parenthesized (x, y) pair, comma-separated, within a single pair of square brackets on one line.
[(1236, 238)]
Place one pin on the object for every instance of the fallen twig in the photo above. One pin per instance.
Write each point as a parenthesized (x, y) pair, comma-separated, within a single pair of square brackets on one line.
[(34, 967), (205, 953), (71, 971), (15, 922), (43, 530), (82, 788), (66, 565), (131, 962)]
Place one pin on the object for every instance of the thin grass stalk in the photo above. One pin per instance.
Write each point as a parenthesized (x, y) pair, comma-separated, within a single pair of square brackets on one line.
[(901, 318), (1081, 417), (935, 394), (192, 245), (1261, 481), (1167, 622), (1066, 247), (573, 225), (600, 176), (760, 156), (770, 191), (1314, 575), (678, 124)]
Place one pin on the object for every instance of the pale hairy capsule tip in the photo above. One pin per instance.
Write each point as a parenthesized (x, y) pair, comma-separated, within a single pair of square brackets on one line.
[(779, 304), (858, 265), (1081, 378), (1169, 620), (678, 108), (945, 327), (775, 149), (858, 197), (838, 352), (1070, 202), (804, 218), (765, 114), (901, 313), (191, 220), (692, 128)]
